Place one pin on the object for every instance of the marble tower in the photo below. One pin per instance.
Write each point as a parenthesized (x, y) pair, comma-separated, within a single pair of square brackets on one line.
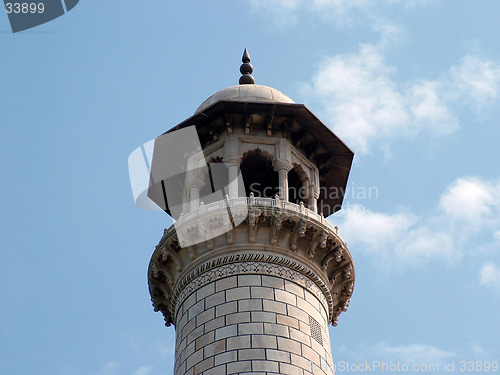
[(252, 274)]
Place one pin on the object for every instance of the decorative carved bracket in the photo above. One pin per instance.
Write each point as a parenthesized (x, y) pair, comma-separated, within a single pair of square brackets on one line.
[(299, 232), (252, 225), (169, 253), (335, 253), (192, 251), (319, 239), (277, 221)]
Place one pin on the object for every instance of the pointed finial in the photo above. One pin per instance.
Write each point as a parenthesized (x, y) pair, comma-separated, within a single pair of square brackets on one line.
[(246, 70)]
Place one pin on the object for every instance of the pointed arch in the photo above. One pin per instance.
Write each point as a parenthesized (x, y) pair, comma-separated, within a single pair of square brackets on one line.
[(259, 176)]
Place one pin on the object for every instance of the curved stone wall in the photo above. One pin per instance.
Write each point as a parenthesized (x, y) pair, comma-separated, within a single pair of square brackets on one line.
[(258, 298), (253, 321)]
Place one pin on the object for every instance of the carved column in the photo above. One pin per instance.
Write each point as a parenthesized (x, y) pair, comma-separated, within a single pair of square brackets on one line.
[(282, 167), (232, 160), (194, 192), (234, 169), (194, 197), (313, 193)]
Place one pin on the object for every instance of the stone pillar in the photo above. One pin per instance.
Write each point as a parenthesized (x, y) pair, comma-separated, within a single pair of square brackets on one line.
[(283, 180), (313, 198), (194, 197), (234, 170), (232, 160), (282, 167), (196, 184)]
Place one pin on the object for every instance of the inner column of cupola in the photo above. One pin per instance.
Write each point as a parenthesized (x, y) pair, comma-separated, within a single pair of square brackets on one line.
[(231, 150)]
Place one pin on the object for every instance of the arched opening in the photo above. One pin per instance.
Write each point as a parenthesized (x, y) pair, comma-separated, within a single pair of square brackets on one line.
[(259, 176), (296, 193)]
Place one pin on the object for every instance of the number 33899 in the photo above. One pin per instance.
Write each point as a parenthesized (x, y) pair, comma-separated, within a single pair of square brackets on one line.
[(24, 8)]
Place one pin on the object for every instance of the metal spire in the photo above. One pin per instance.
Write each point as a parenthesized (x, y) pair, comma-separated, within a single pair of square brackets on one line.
[(246, 70)]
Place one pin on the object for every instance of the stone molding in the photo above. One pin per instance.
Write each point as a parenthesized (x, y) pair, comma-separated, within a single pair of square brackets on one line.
[(269, 229), (250, 263)]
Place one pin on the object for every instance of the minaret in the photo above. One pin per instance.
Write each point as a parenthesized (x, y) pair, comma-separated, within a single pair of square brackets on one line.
[(251, 274)]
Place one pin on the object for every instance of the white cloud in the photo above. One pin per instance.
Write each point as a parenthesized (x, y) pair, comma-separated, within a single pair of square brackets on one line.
[(144, 370), (415, 353), (470, 200), (109, 368), (410, 354), (337, 10), (112, 368), (366, 106), (490, 275), (477, 80), (476, 349), (361, 100), (422, 244), (341, 7), (468, 209), (395, 239), (427, 108), (379, 231), (167, 350), (276, 4), (282, 12)]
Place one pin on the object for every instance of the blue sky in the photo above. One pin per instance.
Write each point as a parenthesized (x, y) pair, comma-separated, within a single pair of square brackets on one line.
[(412, 86)]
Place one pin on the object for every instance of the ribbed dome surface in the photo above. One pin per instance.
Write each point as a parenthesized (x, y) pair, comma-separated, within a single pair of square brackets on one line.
[(246, 93)]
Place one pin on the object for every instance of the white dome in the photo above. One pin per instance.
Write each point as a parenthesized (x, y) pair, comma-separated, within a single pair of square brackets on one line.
[(246, 93)]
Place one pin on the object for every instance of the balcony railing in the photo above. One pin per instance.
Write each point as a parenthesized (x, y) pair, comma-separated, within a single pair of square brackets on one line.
[(256, 202)]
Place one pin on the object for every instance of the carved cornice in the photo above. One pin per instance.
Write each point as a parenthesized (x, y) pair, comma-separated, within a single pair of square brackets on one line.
[(274, 236), (250, 262)]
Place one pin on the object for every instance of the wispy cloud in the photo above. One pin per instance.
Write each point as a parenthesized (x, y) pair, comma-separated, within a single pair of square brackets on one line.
[(282, 12), (468, 209), (414, 353), (379, 231), (113, 368), (359, 97), (110, 368), (472, 201), (340, 11), (395, 239), (167, 350), (490, 275), (144, 370), (476, 349), (368, 108), (477, 80), (405, 355), (358, 92)]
